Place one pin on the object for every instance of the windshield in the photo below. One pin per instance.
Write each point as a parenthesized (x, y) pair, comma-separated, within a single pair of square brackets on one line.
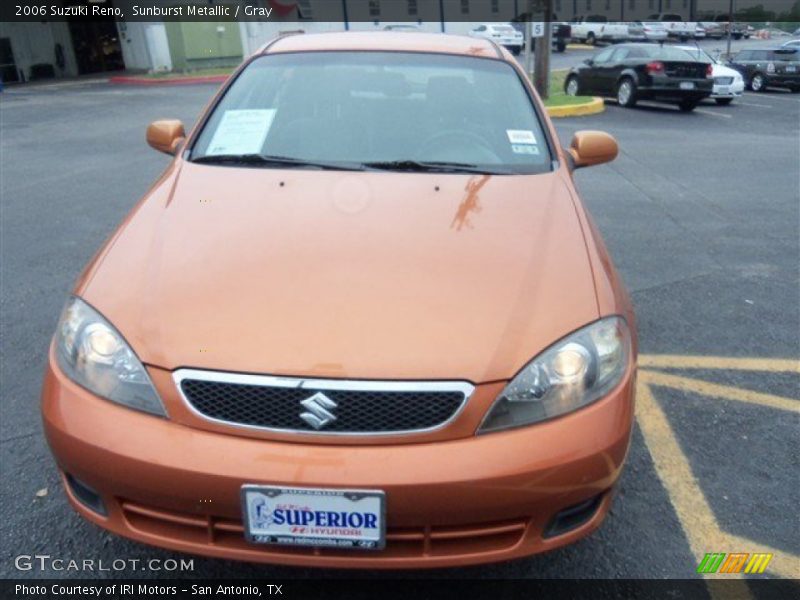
[(699, 54), (376, 108)]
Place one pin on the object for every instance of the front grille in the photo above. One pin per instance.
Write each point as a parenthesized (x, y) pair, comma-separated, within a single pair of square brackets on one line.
[(723, 80), (355, 407)]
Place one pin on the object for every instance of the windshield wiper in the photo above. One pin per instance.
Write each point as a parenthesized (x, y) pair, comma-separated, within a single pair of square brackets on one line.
[(267, 160), (431, 167)]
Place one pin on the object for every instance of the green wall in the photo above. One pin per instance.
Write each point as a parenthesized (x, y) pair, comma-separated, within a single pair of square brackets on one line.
[(204, 45)]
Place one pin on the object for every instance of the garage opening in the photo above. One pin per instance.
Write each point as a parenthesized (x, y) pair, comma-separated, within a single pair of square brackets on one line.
[(96, 44), (8, 68)]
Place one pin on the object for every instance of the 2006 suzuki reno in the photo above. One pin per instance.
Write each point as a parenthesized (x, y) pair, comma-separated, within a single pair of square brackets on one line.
[(362, 320)]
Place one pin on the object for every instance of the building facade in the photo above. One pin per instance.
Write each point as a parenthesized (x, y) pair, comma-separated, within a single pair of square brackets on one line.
[(46, 49)]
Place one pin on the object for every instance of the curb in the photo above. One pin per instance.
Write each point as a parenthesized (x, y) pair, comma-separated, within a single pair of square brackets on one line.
[(581, 47), (593, 107), (125, 80)]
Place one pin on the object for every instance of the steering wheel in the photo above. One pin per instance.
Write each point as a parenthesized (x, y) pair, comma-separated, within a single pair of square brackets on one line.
[(440, 145)]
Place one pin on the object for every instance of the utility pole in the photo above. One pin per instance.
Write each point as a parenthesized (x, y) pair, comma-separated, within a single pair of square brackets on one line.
[(541, 72), (529, 39), (730, 28)]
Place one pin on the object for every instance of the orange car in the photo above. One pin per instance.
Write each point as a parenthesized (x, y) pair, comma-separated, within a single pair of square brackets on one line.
[(362, 320)]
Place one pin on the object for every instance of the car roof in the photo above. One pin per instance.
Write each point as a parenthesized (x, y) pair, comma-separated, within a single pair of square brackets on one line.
[(387, 41)]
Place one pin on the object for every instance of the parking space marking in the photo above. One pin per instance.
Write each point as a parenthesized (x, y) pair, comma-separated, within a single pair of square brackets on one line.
[(695, 514), (712, 113), (678, 361), (772, 97), (743, 103), (716, 390)]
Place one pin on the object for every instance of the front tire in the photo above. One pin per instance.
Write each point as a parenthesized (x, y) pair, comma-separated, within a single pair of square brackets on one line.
[(796, 90), (561, 46), (591, 39), (757, 83), (688, 105), (626, 93), (572, 87), (724, 101)]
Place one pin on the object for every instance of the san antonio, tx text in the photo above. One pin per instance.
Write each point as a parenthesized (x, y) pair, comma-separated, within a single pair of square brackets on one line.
[(125, 589)]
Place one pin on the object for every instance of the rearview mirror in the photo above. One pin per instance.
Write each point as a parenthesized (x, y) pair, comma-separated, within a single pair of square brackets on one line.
[(166, 136), (592, 148)]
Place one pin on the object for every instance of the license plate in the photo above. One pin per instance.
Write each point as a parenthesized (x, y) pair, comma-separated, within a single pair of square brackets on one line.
[(724, 89), (791, 69), (687, 85), (326, 518)]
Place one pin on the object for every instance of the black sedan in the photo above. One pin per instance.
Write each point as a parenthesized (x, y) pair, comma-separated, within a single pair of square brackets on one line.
[(633, 72)]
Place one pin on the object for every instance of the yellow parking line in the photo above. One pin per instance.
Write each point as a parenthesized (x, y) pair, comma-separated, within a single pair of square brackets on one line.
[(719, 362), (706, 388), (691, 507)]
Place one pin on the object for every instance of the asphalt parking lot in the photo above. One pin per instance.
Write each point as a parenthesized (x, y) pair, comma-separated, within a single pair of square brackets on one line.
[(700, 212)]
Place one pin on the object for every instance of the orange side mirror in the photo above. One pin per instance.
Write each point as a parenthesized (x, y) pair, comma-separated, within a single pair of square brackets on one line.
[(592, 148), (166, 136)]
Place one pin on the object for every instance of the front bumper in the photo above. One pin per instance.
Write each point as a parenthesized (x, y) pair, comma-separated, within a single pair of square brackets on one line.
[(668, 89), (466, 501), (734, 90)]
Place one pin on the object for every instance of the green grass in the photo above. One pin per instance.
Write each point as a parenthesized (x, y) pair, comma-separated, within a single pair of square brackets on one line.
[(557, 95)]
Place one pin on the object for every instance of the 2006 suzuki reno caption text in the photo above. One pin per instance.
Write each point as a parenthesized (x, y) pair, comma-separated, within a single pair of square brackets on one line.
[(362, 320)]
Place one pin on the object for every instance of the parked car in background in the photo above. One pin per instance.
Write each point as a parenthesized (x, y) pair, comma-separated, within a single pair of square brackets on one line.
[(728, 82), (633, 72), (654, 31), (764, 68), (562, 32), (675, 25), (403, 27), (597, 28), (714, 30), (738, 30), (636, 32), (501, 33), (791, 44), (699, 32)]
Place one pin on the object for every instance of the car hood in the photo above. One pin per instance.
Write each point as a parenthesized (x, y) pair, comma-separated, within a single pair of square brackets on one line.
[(341, 274)]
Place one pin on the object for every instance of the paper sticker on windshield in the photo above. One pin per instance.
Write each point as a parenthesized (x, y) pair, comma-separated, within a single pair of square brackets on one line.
[(524, 149), (241, 132), (521, 136)]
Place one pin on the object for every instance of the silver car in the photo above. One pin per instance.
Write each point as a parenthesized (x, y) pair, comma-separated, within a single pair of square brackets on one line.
[(654, 31)]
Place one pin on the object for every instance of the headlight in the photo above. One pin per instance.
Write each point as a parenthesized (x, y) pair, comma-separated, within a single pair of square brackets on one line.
[(572, 373), (94, 355)]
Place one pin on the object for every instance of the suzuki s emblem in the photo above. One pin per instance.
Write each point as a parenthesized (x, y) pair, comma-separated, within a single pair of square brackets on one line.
[(318, 409)]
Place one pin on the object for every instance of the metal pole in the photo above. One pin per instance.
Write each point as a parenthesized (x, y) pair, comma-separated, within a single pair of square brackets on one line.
[(541, 73), (529, 39), (730, 28)]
